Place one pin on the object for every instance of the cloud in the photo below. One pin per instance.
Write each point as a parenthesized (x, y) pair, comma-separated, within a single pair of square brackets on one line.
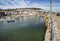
[(5, 4), (1, 3), (56, 4)]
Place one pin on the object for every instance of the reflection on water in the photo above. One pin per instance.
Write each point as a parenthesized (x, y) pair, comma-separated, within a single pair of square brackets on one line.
[(26, 28)]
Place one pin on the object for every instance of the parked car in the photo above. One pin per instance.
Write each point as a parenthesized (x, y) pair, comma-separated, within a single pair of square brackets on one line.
[(58, 14)]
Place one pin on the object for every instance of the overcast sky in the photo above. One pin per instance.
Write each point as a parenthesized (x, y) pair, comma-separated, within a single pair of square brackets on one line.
[(44, 4)]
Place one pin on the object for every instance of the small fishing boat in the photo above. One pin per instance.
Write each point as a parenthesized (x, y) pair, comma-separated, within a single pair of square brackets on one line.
[(10, 21)]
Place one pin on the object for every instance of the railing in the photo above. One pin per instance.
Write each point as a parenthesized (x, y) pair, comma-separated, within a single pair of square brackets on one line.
[(53, 33)]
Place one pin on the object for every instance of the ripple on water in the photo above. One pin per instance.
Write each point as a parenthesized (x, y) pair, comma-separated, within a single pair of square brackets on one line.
[(30, 30)]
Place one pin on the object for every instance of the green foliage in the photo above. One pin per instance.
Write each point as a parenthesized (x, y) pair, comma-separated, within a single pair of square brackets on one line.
[(22, 8)]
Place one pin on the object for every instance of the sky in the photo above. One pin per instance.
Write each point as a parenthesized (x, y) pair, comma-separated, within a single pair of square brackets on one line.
[(44, 4)]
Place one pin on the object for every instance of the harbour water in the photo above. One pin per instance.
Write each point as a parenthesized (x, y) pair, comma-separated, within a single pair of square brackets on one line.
[(26, 28)]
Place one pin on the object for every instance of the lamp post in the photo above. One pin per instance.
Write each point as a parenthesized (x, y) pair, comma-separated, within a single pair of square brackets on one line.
[(50, 5), (50, 8)]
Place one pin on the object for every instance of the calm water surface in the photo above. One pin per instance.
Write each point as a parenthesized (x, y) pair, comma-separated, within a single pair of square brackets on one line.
[(27, 28)]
